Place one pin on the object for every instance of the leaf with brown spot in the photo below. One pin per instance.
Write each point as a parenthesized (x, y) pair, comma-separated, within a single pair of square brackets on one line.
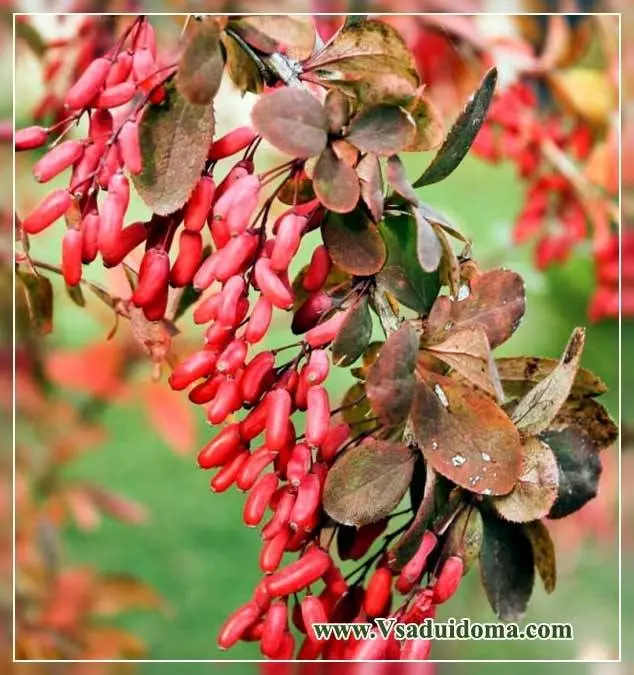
[(382, 129), (495, 302), (367, 482), (507, 567), (371, 180), (175, 138), (354, 243), (356, 409), (519, 374), (543, 553), (337, 106), (292, 35), (336, 183), (297, 189), (590, 417), (579, 469), (38, 293), (292, 120), (397, 178), (465, 436), (462, 133), (354, 334), (367, 60), (430, 129), (428, 246), (468, 352), (464, 538), (241, 68), (201, 64), (390, 383), (540, 405), (536, 489)]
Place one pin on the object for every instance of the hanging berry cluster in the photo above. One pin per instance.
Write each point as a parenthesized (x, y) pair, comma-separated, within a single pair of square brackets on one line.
[(477, 447)]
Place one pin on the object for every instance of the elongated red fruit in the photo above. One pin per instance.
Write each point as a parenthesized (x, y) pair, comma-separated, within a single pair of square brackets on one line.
[(250, 471), (84, 170), (90, 239), (226, 477), (286, 648), (237, 624), (71, 257), (255, 422), (30, 138), (237, 204), (205, 391), (206, 274), (235, 256), (57, 160), (155, 309), (52, 207), (272, 287), (120, 70), (199, 364), (303, 572), (378, 592), (89, 83), (259, 499), (128, 239), (448, 579), (130, 147), (229, 144), (218, 337), (287, 241), (413, 569), (190, 254), (317, 415), (100, 127), (310, 311), (231, 294), (416, 650), (307, 502), (298, 464), (279, 410), (258, 376), (275, 625), (273, 550), (153, 276), (221, 448), (318, 270), (326, 331), (259, 321), (199, 203), (143, 68), (226, 401), (116, 95), (207, 309), (281, 516), (318, 366), (232, 357), (336, 437), (312, 612)]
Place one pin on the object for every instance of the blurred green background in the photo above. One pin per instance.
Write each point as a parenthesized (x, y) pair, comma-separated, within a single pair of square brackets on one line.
[(196, 552)]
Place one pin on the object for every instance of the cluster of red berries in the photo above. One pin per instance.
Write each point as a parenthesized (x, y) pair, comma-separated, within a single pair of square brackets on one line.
[(605, 301)]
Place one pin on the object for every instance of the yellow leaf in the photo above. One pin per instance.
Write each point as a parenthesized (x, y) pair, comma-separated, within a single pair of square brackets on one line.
[(585, 92)]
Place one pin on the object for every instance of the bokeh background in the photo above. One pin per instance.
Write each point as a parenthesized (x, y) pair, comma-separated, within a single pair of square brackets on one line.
[(182, 553)]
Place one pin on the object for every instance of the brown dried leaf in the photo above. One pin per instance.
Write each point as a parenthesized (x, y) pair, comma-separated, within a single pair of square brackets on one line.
[(540, 405), (390, 383), (428, 246), (201, 64), (292, 120), (38, 293), (590, 417), (336, 184), (494, 301), (337, 106), (543, 553), (449, 265), (430, 129), (465, 436), (117, 593), (382, 129), (369, 172), (367, 482), (354, 243), (536, 489), (464, 538), (291, 35), (241, 68), (297, 189)]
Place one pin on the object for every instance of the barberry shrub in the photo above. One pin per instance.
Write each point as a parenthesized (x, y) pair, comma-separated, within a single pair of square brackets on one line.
[(474, 452)]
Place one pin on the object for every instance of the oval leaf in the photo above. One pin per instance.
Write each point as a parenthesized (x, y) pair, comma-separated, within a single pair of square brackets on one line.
[(292, 120), (38, 293), (464, 538), (369, 172), (354, 334), (356, 409), (292, 35), (542, 403), (382, 129), (494, 301), (465, 436), (507, 568), (397, 178), (175, 138), (201, 64), (462, 133), (543, 553), (241, 68), (336, 183), (390, 383), (367, 482), (428, 246), (430, 129), (590, 417), (536, 489), (354, 243)]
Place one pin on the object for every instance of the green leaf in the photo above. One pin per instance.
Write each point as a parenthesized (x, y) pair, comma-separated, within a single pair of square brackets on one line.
[(292, 120), (354, 334), (402, 274), (201, 64), (382, 129), (462, 133), (367, 482), (175, 138), (465, 436), (464, 537), (76, 294), (38, 292), (336, 183), (536, 490), (543, 553), (356, 408), (354, 243), (541, 404), (506, 567), (26, 31), (390, 382), (241, 68), (579, 469)]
